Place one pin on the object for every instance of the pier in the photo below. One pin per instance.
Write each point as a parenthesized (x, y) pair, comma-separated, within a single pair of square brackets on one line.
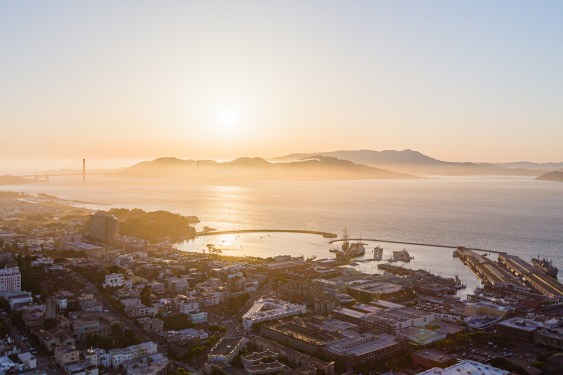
[(538, 279), (242, 231), (416, 244), (489, 271)]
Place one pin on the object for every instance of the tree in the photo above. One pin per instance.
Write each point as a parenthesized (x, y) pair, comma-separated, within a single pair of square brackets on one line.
[(197, 351), (49, 323), (177, 322), (181, 371), (146, 295)]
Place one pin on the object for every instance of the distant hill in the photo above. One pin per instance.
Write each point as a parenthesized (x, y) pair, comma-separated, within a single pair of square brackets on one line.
[(530, 165), (414, 162), (308, 168), (552, 176)]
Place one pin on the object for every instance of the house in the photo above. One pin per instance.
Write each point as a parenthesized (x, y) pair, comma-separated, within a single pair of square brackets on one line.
[(113, 280), (65, 356), (28, 360)]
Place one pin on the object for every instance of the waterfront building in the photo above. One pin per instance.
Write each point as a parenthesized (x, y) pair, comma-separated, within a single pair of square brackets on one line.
[(269, 309), (538, 279), (10, 280)]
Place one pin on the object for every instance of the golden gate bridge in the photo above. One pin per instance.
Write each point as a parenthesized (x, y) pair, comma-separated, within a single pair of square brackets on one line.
[(44, 177)]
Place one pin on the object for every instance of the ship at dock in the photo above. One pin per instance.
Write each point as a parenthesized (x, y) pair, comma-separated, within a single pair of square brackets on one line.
[(351, 250), (377, 253), (401, 256), (546, 266)]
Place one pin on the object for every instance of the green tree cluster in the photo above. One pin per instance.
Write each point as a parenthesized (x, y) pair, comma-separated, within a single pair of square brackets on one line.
[(118, 339), (154, 226), (177, 322)]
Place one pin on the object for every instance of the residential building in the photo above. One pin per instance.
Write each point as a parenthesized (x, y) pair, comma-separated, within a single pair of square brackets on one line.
[(120, 356), (65, 356), (104, 227), (28, 361), (10, 280), (156, 364), (113, 280), (198, 317), (186, 306)]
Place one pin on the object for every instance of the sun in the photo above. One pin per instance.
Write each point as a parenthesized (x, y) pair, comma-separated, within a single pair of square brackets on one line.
[(227, 120)]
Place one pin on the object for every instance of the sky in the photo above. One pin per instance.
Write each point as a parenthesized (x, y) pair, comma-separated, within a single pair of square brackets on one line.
[(133, 80)]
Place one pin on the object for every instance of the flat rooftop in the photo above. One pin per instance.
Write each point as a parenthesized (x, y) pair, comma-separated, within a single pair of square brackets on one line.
[(466, 367), (362, 344), (434, 355), (421, 335), (521, 324), (377, 287), (350, 312)]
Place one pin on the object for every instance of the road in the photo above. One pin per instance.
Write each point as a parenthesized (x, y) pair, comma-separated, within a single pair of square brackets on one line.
[(42, 361)]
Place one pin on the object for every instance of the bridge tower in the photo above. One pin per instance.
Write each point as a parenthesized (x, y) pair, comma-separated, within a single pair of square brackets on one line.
[(83, 170)]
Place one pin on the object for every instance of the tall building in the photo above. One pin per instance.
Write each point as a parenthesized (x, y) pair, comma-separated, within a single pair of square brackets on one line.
[(104, 227), (10, 280)]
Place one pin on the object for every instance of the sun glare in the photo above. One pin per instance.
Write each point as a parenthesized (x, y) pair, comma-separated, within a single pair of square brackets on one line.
[(227, 120)]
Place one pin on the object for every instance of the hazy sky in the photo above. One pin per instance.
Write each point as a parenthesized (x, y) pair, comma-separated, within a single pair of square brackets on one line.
[(458, 80)]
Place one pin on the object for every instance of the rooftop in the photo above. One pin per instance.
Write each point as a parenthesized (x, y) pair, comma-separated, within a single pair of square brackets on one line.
[(466, 368), (522, 324), (434, 355), (361, 344)]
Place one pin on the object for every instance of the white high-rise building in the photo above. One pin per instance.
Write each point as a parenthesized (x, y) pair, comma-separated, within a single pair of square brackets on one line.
[(10, 280)]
